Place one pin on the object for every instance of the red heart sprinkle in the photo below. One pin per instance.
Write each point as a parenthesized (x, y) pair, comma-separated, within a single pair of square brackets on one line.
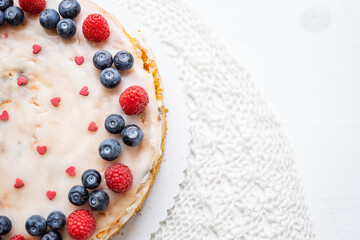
[(92, 127), (51, 194), (71, 171), (36, 49), (79, 60), (41, 149), (55, 101), (4, 116), (19, 183), (84, 91), (22, 81)]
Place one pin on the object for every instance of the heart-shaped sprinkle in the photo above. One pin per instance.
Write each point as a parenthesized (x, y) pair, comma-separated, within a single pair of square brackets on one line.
[(41, 149), (22, 81), (4, 116), (92, 127), (19, 183), (84, 91), (79, 60), (51, 194), (36, 49), (71, 171), (55, 101)]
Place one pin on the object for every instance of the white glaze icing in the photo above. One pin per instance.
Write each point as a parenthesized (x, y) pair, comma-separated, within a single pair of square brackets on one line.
[(35, 121)]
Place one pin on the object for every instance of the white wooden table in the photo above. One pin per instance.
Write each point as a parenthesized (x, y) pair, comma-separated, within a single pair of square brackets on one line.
[(305, 58)]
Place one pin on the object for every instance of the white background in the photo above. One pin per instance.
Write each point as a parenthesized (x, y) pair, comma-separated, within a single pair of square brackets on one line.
[(305, 58)]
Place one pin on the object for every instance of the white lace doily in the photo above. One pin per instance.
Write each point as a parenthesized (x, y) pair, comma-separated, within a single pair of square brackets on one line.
[(241, 183)]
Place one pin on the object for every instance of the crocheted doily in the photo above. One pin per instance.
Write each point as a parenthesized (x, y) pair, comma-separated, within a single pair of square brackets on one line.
[(240, 183)]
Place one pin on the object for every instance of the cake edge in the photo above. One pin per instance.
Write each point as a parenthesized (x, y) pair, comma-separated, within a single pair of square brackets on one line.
[(150, 66)]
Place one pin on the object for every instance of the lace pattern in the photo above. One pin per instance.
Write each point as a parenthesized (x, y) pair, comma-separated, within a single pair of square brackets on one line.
[(241, 183)]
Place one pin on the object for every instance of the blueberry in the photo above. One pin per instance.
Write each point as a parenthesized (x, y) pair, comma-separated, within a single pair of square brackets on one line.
[(49, 18), (91, 179), (78, 195), (14, 16), (5, 4), (123, 60), (56, 220), (132, 135), (36, 225), (1, 18), (66, 28), (99, 200), (69, 9), (109, 149), (114, 123), (52, 235), (110, 77), (102, 59), (5, 225)]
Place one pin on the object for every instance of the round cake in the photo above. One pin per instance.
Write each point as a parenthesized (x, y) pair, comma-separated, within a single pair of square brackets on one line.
[(82, 121)]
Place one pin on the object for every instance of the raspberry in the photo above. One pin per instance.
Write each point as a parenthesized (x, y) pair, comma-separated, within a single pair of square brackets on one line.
[(81, 224), (96, 28), (118, 177), (32, 6), (134, 100), (17, 237), (4, 116)]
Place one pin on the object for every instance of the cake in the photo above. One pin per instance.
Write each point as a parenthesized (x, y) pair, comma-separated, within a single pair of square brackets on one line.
[(60, 121)]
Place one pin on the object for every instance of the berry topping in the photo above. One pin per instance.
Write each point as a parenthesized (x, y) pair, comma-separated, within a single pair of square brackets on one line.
[(14, 16), (81, 224), (92, 127), (123, 60), (69, 9), (110, 77), (41, 149), (118, 177), (49, 18), (134, 100), (132, 135), (55, 101), (4, 116), (51, 195), (96, 28), (114, 123), (5, 4), (1, 18), (99, 200), (102, 59), (91, 179), (84, 91), (19, 183), (22, 81), (78, 195), (5, 225), (52, 235), (79, 60), (71, 171), (36, 49), (56, 220), (109, 149), (33, 6), (36, 225), (17, 237), (66, 28)]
